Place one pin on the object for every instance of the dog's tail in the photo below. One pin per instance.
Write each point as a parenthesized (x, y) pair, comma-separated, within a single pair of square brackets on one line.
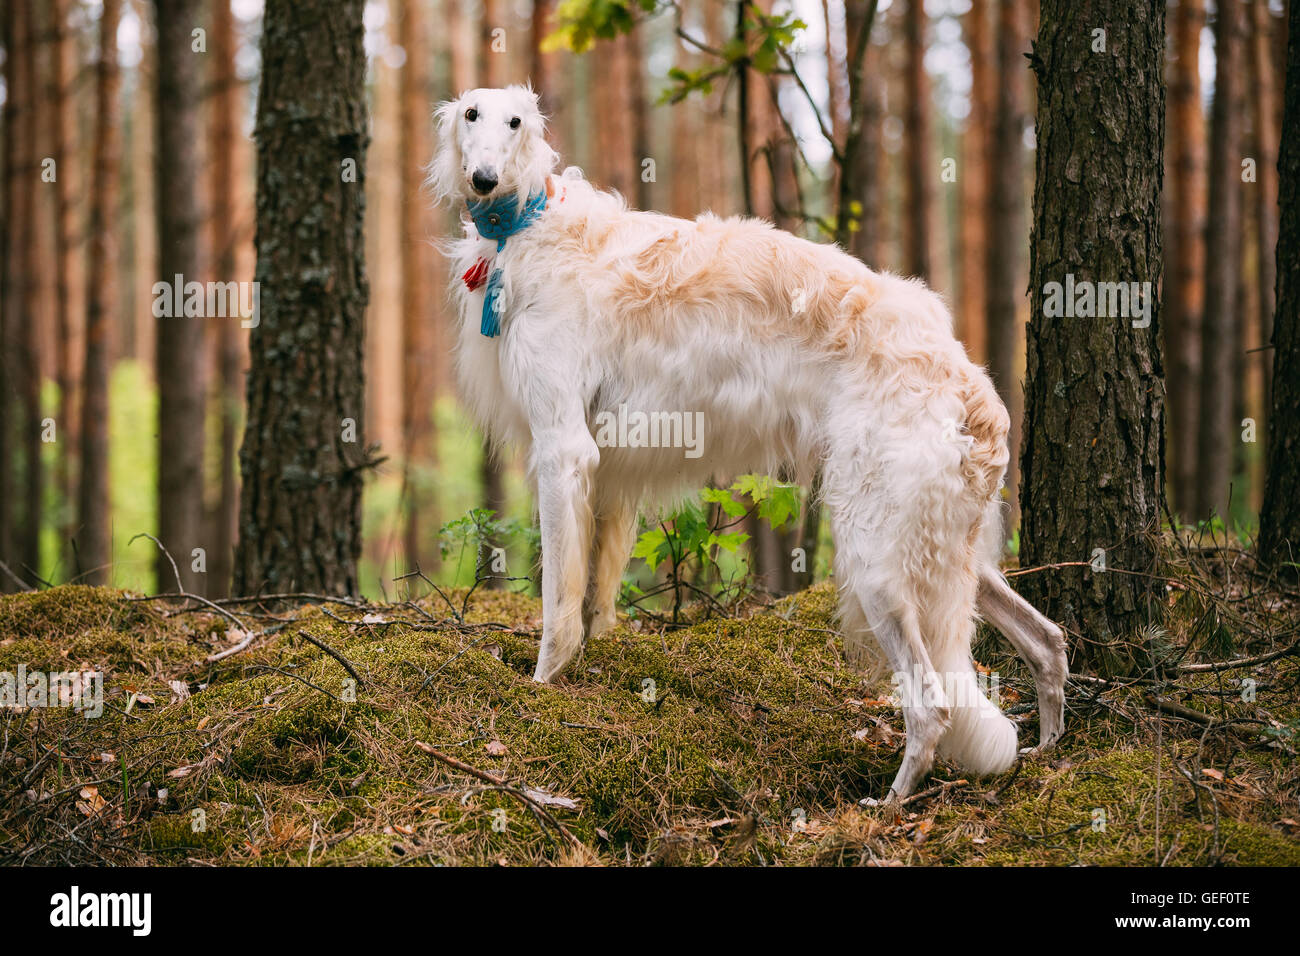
[(987, 424)]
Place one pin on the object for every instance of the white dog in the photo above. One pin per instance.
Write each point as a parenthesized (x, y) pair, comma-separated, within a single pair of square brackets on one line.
[(573, 307)]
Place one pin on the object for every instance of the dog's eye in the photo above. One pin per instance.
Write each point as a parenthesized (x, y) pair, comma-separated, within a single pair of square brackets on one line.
[(514, 123), (471, 114)]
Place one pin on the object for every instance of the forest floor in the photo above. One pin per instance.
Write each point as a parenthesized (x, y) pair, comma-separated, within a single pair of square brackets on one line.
[(409, 733)]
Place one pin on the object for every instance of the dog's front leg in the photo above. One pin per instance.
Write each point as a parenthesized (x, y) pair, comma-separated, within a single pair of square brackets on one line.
[(564, 461)]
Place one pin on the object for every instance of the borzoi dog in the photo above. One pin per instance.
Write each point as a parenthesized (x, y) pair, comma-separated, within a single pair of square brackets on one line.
[(570, 305)]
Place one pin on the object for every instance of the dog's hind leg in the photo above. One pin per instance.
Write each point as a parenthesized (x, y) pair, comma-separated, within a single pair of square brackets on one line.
[(1038, 641), (615, 533), (926, 714), (873, 609), (564, 462)]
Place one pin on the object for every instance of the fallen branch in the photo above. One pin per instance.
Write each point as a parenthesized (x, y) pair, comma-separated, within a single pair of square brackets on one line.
[(500, 784), (1239, 662), (933, 791), (347, 666)]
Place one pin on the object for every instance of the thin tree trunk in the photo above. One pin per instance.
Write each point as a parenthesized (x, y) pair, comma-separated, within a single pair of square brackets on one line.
[(1218, 434), (94, 552), (179, 363), (137, 336), (1092, 458), (304, 456), (10, 272), (1265, 112), (976, 234), (417, 303), (464, 63), (495, 62), (30, 312), (66, 252), (1279, 519), (917, 141), (1184, 290), (1005, 220), (223, 126)]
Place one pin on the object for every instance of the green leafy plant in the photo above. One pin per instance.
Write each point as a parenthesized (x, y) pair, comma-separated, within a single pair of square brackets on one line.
[(479, 527), (689, 542)]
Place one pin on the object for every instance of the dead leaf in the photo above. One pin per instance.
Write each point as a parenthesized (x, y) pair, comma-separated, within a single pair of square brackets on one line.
[(1212, 774), (91, 802), (549, 799), (180, 690), (373, 618)]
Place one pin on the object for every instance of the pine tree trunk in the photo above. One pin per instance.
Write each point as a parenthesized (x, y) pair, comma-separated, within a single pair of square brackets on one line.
[(66, 251), (304, 456), (1006, 224), (976, 234), (919, 216), (224, 123), (417, 302), (1217, 437), (1279, 520), (1264, 106), (93, 545), (179, 363), (1092, 459), (136, 336), (1184, 290), (10, 273), (29, 313)]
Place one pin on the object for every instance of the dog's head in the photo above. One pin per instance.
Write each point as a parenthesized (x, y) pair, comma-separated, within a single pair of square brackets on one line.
[(491, 143)]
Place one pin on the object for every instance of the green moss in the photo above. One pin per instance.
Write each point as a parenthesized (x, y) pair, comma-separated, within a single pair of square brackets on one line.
[(68, 611), (692, 746)]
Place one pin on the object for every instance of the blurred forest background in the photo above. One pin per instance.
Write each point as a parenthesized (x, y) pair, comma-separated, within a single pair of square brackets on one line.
[(127, 159)]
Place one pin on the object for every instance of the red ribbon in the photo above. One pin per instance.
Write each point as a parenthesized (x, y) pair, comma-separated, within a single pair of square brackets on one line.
[(476, 275)]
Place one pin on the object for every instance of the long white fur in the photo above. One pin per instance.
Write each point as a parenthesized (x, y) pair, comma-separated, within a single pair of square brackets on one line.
[(797, 354)]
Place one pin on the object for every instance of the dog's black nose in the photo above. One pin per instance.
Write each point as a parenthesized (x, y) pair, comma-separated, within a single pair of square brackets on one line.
[(483, 182)]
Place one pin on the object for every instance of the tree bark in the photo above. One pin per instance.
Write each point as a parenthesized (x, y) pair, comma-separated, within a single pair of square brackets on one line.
[(10, 273), (303, 456), (919, 218), (27, 316), (1184, 290), (1092, 458), (1005, 193), (1266, 138), (1217, 437), (66, 252), (180, 338), (1279, 520), (418, 314), (223, 130), (94, 553), (976, 235)]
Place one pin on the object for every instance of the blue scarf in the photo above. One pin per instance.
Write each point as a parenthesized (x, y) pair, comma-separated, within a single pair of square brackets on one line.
[(500, 219)]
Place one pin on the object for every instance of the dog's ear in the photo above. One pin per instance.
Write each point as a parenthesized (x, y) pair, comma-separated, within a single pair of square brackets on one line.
[(445, 177)]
